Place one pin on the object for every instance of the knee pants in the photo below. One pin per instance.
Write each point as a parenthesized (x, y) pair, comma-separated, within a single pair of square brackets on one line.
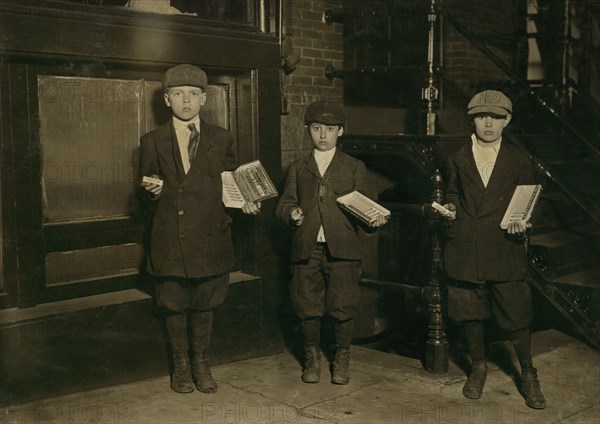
[(325, 285), (179, 294), (509, 303)]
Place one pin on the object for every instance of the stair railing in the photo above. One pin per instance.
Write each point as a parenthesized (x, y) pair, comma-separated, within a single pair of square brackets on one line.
[(500, 64), (538, 164)]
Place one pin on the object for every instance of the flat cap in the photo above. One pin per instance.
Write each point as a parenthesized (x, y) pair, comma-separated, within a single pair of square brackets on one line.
[(325, 113), (490, 101), (185, 75)]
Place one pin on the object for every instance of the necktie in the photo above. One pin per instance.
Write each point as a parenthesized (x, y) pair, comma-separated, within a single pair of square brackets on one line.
[(193, 142)]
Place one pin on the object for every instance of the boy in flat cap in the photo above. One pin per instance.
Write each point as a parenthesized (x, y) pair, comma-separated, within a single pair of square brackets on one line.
[(190, 252), (487, 265), (326, 248)]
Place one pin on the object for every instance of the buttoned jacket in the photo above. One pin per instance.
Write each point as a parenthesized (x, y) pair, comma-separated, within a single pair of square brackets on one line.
[(477, 249), (190, 231), (316, 195)]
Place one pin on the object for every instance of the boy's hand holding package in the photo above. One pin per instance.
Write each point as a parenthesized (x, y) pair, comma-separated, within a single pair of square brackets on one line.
[(447, 211), (297, 217), (152, 184), (251, 208)]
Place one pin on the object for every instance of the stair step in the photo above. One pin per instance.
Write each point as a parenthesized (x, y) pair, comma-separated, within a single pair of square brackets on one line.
[(564, 252), (588, 278), (555, 239)]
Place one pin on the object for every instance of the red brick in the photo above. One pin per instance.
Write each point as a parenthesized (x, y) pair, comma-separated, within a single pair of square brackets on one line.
[(321, 63), (306, 62), (324, 45), (301, 42), (335, 56), (300, 80), (330, 36), (311, 72), (323, 82), (310, 33), (311, 15), (312, 53)]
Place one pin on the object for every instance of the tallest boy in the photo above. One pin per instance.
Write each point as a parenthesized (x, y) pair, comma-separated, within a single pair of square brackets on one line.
[(488, 265), (190, 251)]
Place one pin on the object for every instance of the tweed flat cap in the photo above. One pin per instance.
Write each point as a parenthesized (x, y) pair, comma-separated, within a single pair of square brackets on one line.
[(185, 75), (490, 101), (325, 113)]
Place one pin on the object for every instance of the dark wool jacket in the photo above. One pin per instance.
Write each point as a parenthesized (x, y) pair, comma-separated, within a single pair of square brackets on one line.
[(317, 196), (478, 249), (190, 231)]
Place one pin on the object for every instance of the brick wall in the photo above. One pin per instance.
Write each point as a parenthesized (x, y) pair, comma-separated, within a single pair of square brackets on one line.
[(318, 44), (502, 26)]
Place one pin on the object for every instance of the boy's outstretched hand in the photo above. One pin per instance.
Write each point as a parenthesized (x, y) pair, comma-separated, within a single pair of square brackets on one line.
[(379, 222), (151, 187), (297, 217), (451, 215), (251, 208)]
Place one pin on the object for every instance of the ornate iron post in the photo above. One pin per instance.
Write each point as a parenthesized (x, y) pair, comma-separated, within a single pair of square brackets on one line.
[(430, 92), (436, 352), (565, 100)]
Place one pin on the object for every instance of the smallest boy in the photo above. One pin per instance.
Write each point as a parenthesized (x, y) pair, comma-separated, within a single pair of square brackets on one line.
[(326, 247)]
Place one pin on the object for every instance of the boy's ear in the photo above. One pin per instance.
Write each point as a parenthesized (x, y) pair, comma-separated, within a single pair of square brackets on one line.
[(167, 101), (340, 132), (507, 120)]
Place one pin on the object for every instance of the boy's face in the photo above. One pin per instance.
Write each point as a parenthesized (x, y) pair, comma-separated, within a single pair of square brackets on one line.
[(324, 137), (488, 128), (185, 101)]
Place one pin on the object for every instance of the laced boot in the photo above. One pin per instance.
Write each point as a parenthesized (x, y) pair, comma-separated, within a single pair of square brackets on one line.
[(201, 332), (531, 390), (312, 364), (181, 378), (202, 375), (474, 384), (341, 366)]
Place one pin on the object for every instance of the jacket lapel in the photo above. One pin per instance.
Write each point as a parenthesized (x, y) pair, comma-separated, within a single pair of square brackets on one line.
[(205, 153), (168, 150), (311, 165), (334, 165), (500, 168), (466, 164)]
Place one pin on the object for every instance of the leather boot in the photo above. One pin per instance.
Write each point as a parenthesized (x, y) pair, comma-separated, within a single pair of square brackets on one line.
[(202, 323), (181, 375), (474, 384), (531, 390), (341, 366), (312, 364), (181, 378)]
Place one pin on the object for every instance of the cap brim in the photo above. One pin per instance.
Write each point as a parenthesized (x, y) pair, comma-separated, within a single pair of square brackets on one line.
[(186, 83), (325, 122), (496, 110)]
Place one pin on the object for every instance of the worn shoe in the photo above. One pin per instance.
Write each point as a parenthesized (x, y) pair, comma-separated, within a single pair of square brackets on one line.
[(474, 385), (312, 364), (531, 390), (202, 375), (341, 366), (181, 378)]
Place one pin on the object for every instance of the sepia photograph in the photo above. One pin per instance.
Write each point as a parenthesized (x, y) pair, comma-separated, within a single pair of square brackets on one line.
[(300, 211)]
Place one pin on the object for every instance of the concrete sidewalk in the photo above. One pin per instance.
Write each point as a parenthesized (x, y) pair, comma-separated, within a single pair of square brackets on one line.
[(385, 388)]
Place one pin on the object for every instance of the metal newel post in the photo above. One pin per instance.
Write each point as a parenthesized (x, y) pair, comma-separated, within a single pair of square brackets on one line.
[(436, 353), (566, 53), (430, 92)]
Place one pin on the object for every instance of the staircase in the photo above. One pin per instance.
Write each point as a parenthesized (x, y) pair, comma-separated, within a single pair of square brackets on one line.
[(561, 129), (558, 124)]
